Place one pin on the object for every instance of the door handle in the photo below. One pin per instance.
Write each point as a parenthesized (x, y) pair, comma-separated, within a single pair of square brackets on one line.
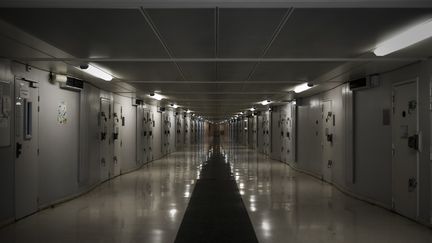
[(18, 149)]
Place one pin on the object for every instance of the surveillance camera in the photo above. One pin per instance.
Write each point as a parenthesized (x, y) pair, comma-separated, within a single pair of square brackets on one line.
[(84, 66), (152, 94), (310, 84)]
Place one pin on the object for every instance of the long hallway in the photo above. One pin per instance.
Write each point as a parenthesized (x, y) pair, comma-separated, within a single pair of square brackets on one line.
[(149, 205)]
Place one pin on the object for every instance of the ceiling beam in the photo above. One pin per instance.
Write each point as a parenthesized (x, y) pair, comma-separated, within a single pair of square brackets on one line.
[(200, 60), (131, 4), (210, 82)]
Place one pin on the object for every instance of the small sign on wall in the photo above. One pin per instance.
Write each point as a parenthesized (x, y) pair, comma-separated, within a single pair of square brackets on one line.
[(62, 113)]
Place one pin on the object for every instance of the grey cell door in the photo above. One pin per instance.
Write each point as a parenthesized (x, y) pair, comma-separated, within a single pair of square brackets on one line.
[(327, 140), (145, 125), (105, 126), (117, 137), (26, 146), (283, 139), (405, 139)]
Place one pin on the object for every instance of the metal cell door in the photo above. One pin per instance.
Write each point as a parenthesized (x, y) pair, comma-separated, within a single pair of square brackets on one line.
[(151, 124), (145, 135), (406, 146), (283, 139), (327, 139), (26, 138), (105, 127), (117, 137)]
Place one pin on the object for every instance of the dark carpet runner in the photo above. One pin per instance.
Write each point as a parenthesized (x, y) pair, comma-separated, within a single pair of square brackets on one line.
[(216, 212)]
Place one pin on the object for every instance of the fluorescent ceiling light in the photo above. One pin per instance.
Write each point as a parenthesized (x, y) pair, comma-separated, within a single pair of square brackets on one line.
[(97, 72), (404, 39), (265, 102), (175, 106), (252, 109), (188, 111), (302, 87), (156, 96)]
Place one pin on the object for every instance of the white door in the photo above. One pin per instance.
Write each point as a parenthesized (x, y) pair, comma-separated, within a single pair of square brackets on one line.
[(151, 125), (140, 135), (275, 137), (266, 135), (289, 134), (145, 125), (179, 129), (282, 135), (117, 138), (105, 138), (26, 138), (405, 139), (327, 139)]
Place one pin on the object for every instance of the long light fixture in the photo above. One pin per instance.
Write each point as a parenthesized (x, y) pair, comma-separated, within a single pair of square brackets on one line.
[(302, 87), (252, 109), (96, 72), (175, 106), (156, 96), (188, 111), (404, 39), (265, 102)]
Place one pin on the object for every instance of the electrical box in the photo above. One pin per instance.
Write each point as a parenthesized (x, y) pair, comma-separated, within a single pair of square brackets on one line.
[(5, 113)]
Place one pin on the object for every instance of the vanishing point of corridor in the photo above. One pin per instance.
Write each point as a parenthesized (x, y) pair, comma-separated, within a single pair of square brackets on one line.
[(212, 193)]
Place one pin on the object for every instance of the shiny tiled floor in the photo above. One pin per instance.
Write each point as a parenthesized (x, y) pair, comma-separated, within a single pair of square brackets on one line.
[(148, 206), (288, 206), (144, 206)]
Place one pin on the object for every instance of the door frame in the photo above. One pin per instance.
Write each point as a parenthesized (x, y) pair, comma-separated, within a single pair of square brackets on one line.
[(400, 83)]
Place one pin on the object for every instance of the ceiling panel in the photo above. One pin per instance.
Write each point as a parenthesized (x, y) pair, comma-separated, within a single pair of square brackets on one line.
[(246, 32), (234, 71), (187, 32), (292, 71), (340, 32), (89, 32), (204, 71)]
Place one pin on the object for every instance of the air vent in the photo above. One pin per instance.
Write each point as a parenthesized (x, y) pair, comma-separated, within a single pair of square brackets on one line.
[(362, 83), (72, 84)]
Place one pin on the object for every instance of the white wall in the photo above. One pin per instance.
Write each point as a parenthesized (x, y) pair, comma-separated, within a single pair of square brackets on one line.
[(69, 159), (362, 160)]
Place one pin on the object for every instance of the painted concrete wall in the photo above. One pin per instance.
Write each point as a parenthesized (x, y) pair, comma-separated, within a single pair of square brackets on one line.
[(69, 159), (362, 143)]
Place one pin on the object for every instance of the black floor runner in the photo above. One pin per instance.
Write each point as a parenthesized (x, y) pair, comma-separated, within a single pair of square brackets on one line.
[(216, 212)]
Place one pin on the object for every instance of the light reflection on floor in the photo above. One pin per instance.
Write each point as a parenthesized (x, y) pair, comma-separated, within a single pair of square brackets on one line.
[(289, 206)]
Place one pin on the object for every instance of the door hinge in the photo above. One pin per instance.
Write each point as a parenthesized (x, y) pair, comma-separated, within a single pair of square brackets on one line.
[(38, 151), (38, 108)]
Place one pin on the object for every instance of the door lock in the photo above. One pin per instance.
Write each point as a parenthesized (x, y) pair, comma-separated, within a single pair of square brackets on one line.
[(412, 184), (18, 149), (413, 142)]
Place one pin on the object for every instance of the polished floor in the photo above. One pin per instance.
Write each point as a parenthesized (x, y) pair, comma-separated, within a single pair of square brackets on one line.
[(149, 205)]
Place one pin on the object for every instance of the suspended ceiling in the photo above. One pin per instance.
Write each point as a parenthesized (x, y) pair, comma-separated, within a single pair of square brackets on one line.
[(215, 61)]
